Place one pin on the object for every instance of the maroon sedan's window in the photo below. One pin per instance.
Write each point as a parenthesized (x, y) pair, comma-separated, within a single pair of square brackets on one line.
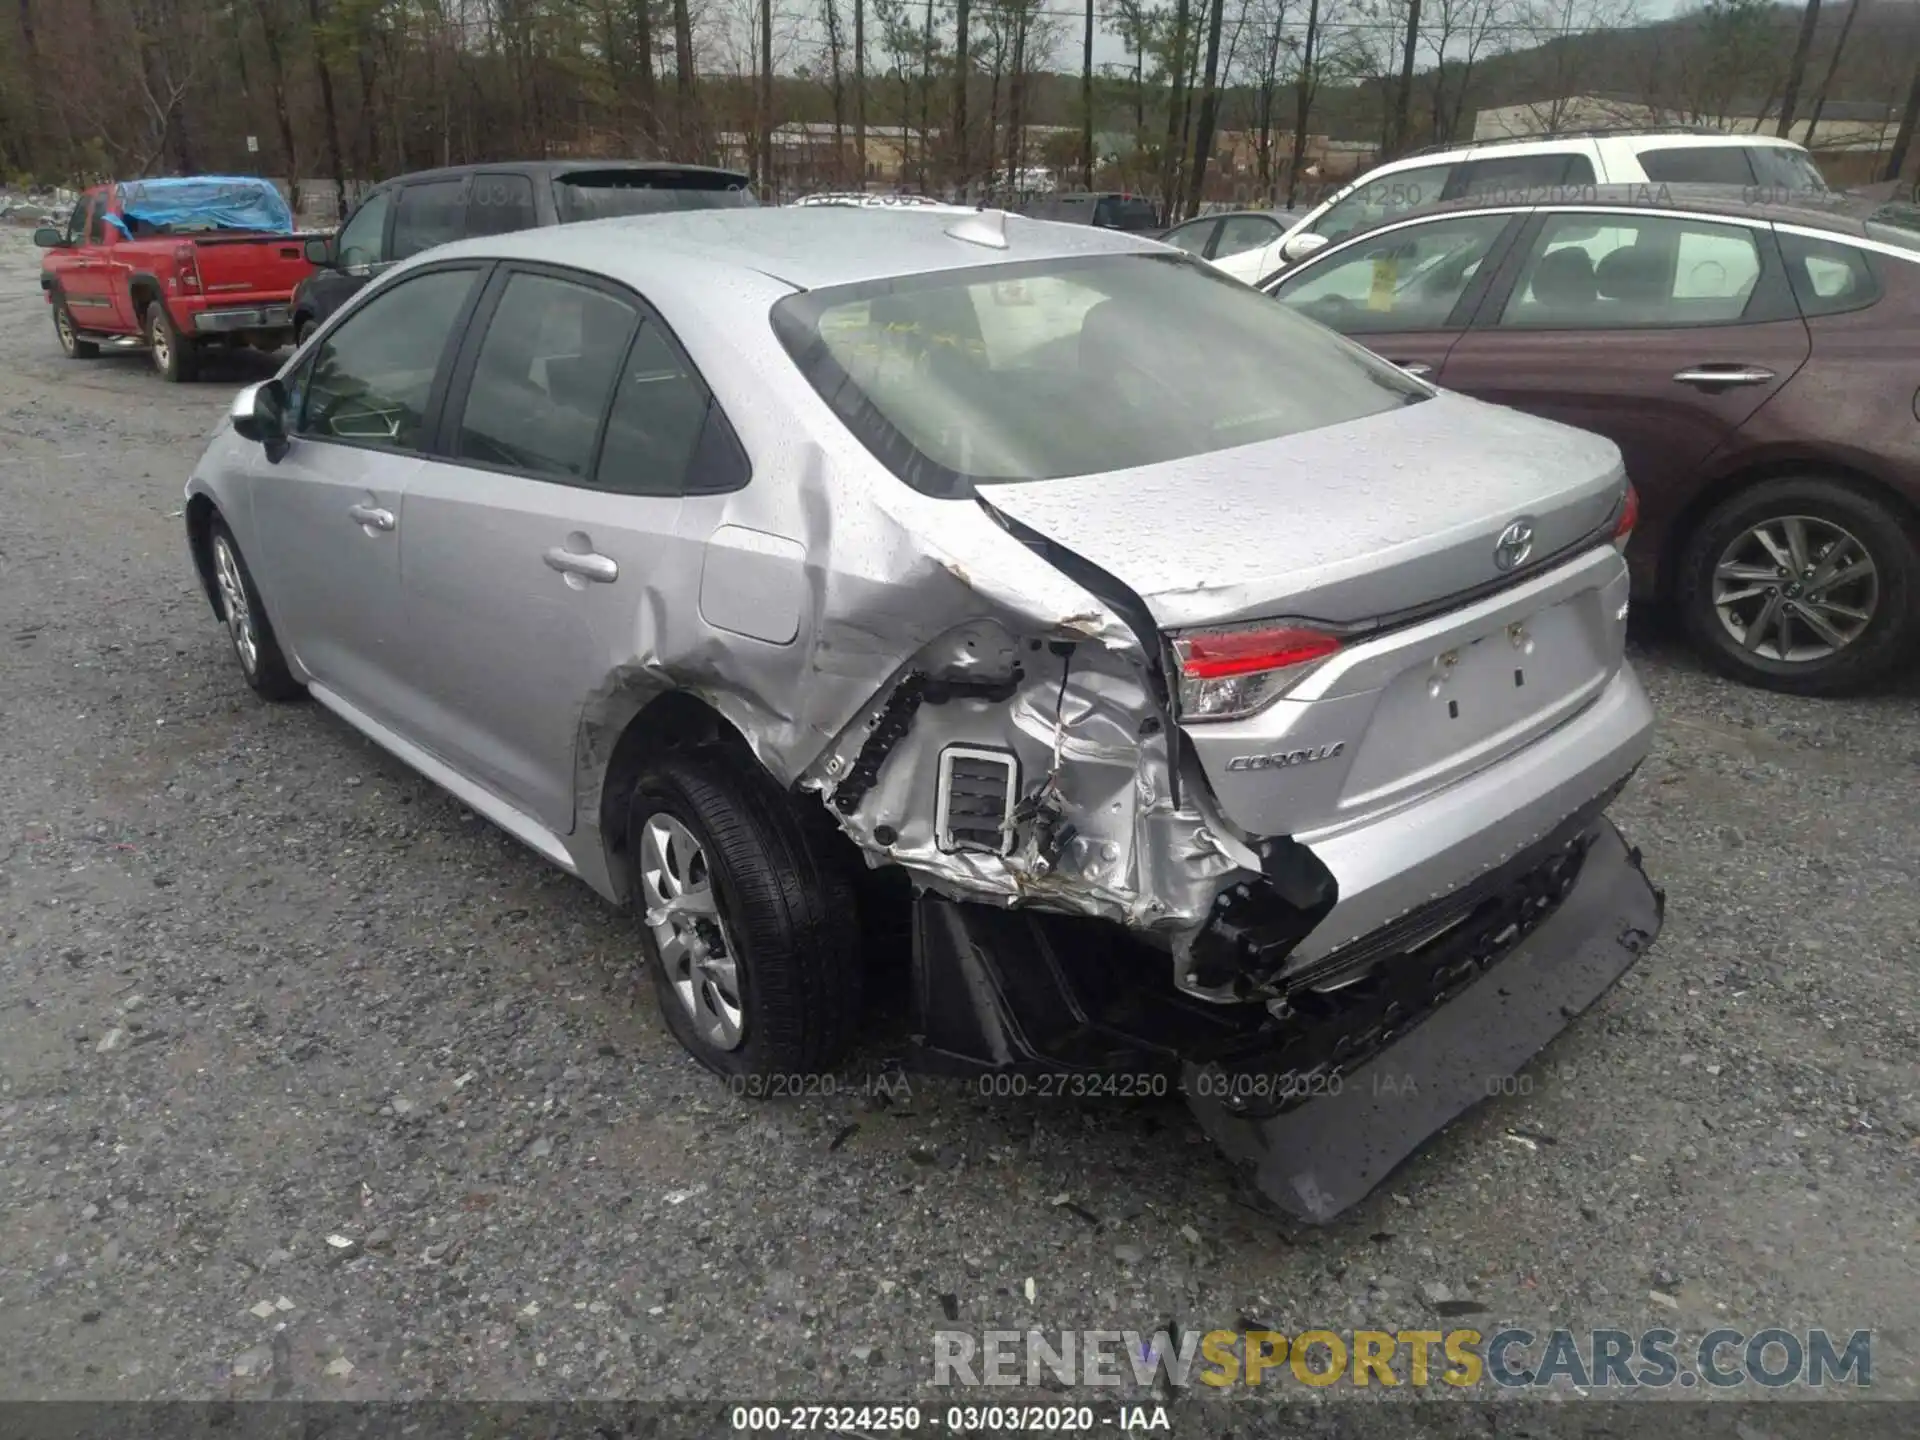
[(1828, 277), (1613, 270)]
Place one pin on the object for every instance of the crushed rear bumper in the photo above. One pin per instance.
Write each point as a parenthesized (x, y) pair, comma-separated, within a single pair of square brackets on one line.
[(1323, 1093)]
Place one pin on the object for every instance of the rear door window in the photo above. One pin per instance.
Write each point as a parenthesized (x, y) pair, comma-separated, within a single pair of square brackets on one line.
[(431, 214), (543, 376), (1118, 213), (1517, 177), (665, 435), (1698, 165), (1588, 272), (499, 204)]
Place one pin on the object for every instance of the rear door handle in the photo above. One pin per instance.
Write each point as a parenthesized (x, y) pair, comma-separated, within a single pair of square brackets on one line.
[(1414, 367), (588, 567), (1724, 375), (372, 516)]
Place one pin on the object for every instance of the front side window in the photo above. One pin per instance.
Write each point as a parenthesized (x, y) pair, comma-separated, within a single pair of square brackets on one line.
[(360, 242), (431, 214), (1072, 367), (77, 221), (1191, 238), (372, 377), (1626, 271), (97, 224), (1515, 177), (1406, 279), (543, 377), (1379, 199), (1241, 233)]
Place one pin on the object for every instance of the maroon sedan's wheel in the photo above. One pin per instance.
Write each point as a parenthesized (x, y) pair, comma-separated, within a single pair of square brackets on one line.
[(1805, 585)]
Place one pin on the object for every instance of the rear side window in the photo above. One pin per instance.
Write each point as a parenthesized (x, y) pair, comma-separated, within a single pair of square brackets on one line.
[(1829, 278), (431, 214), (372, 377), (665, 435), (543, 377), (1509, 176), (603, 194), (1698, 165), (500, 204)]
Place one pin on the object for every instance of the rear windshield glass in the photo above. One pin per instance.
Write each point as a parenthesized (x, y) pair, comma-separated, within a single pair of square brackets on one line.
[(1119, 214), (603, 194), (1778, 168), (1056, 368)]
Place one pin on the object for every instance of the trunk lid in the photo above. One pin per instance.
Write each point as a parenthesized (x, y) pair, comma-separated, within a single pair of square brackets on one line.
[(234, 268), (1345, 525)]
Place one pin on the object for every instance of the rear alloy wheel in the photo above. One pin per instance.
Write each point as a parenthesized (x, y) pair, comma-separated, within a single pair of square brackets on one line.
[(71, 345), (750, 931), (173, 354), (1804, 586), (254, 643)]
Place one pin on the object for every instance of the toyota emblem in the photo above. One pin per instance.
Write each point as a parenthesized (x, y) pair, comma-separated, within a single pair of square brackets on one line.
[(1513, 547)]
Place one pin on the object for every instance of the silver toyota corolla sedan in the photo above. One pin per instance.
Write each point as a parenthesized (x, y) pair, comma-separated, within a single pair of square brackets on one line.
[(1241, 709)]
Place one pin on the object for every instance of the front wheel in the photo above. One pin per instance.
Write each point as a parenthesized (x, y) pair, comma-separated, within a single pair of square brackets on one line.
[(71, 345), (254, 643), (749, 930), (173, 354), (1803, 585)]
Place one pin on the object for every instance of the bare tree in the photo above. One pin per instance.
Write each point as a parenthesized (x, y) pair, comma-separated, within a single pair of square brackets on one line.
[(1903, 137), (1459, 34), (1833, 66), (1797, 66), (1086, 101), (860, 89)]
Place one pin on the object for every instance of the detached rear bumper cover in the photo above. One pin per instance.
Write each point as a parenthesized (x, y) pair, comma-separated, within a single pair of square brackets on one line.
[(1322, 1157)]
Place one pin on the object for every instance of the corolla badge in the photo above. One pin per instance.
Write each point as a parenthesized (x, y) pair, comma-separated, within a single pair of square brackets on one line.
[(1286, 757), (1515, 544)]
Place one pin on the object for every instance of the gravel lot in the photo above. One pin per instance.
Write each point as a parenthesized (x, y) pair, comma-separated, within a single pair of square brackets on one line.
[(262, 986)]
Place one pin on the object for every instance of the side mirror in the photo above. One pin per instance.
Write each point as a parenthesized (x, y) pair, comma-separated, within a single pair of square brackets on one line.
[(1296, 248), (320, 252), (259, 414), (48, 238)]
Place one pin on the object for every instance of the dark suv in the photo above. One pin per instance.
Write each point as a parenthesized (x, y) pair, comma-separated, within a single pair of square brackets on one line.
[(399, 218), (1110, 211)]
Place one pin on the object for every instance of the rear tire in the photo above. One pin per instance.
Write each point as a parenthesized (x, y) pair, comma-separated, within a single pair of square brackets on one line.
[(1829, 631), (759, 974), (71, 345), (174, 356), (251, 633)]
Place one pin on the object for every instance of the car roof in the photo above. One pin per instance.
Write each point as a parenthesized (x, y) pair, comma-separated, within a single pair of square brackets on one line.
[(548, 169), (1662, 137), (1840, 213), (805, 246)]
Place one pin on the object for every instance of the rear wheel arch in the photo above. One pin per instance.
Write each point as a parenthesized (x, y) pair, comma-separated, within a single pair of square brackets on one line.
[(675, 720), (1724, 487), (144, 291)]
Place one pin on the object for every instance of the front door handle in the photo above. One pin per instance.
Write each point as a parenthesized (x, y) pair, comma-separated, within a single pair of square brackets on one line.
[(588, 566), (372, 516), (1727, 375)]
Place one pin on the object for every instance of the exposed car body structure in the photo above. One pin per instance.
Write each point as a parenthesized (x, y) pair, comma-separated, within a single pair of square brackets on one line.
[(1185, 784)]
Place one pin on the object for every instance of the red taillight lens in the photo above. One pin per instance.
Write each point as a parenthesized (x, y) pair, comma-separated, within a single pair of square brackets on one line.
[(1629, 517), (1225, 674), (186, 263)]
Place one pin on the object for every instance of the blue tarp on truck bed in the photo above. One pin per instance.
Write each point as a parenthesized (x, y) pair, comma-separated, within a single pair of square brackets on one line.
[(197, 202)]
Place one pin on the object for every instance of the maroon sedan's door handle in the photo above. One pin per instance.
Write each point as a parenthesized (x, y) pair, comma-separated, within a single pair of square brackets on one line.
[(1724, 375)]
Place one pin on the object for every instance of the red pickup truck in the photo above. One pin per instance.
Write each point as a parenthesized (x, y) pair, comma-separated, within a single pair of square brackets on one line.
[(178, 265)]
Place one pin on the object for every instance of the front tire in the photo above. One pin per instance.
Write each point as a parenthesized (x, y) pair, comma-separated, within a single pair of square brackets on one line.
[(749, 930), (303, 328), (68, 333), (1803, 585), (254, 643), (173, 354)]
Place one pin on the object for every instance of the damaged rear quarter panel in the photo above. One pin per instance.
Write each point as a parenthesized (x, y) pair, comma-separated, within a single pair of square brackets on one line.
[(826, 583)]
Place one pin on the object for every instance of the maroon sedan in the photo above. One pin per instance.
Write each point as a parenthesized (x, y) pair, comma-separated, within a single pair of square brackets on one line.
[(1756, 363)]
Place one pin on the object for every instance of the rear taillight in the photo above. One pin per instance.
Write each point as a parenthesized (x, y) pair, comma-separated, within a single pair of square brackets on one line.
[(1629, 517), (186, 264), (1225, 674)]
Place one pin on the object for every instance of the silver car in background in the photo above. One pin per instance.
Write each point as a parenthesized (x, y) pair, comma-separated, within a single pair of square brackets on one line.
[(1240, 709)]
